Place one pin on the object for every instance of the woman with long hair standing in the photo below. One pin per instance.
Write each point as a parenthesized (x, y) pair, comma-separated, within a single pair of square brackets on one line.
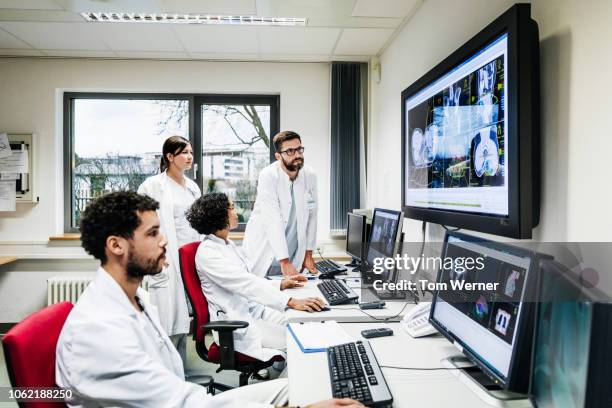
[(175, 193)]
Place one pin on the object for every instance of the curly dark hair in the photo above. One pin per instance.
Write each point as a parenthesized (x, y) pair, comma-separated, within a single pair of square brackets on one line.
[(208, 214), (112, 214)]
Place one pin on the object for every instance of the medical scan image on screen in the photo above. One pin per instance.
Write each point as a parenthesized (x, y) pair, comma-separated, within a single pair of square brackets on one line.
[(456, 131)]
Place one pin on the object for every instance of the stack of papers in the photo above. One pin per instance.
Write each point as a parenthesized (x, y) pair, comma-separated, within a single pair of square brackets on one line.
[(315, 337)]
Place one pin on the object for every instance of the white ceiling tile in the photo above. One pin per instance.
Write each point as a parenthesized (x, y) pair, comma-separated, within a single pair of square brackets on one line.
[(126, 6), (79, 53), (382, 8), (215, 39), (9, 41), (20, 53), (138, 37), (296, 57), (153, 55), (362, 41), (297, 40), (30, 5), (224, 56), (224, 7), (56, 36)]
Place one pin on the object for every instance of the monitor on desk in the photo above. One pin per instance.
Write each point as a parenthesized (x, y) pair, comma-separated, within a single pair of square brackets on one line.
[(385, 235), (571, 349), (484, 307), (356, 227)]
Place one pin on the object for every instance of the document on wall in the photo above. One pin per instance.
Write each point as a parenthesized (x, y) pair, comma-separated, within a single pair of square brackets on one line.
[(17, 162), (9, 176), (7, 195), (5, 146)]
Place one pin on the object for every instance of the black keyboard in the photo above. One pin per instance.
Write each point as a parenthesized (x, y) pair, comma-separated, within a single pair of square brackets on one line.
[(337, 292), (354, 373), (329, 266)]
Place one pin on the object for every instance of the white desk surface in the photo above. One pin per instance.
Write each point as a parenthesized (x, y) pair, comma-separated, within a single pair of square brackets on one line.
[(348, 313), (309, 377)]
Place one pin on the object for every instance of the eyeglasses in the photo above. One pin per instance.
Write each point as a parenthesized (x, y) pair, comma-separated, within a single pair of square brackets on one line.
[(231, 207), (292, 152)]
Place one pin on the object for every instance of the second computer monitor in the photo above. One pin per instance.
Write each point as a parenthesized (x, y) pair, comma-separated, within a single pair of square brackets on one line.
[(384, 236), (483, 305), (356, 235)]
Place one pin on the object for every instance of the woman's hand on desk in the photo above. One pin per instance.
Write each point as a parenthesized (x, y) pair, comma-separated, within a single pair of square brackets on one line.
[(287, 268), (311, 304), (293, 282), (309, 263), (337, 402)]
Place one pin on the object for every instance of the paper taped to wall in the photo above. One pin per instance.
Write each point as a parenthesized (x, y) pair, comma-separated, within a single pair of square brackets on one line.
[(17, 162), (5, 146), (7, 195)]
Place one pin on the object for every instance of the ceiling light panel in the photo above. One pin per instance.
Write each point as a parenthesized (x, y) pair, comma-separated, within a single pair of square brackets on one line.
[(165, 18)]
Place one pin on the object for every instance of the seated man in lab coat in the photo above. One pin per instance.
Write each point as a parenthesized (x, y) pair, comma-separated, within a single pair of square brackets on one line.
[(112, 350), (233, 293)]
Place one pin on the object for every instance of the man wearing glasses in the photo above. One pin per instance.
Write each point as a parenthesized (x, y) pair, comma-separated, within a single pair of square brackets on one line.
[(281, 233)]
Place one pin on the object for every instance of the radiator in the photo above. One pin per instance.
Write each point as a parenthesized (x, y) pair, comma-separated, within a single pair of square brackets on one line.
[(69, 288), (65, 288)]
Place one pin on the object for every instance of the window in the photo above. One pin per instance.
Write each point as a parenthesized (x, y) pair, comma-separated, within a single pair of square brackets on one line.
[(114, 143)]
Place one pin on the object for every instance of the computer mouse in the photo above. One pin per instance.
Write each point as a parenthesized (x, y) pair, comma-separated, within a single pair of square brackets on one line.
[(325, 309), (326, 275)]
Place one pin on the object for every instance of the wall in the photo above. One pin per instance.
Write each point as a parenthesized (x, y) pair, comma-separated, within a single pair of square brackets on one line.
[(574, 66), (30, 100)]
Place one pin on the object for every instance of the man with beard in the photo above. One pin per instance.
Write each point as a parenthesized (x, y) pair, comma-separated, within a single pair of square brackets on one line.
[(112, 350), (281, 233)]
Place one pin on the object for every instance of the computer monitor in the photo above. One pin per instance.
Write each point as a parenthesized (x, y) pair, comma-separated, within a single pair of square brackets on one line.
[(571, 349), (385, 234), (491, 322), (356, 227)]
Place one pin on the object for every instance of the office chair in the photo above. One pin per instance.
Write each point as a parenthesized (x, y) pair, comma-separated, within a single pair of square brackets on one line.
[(224, 353), (29, 350)]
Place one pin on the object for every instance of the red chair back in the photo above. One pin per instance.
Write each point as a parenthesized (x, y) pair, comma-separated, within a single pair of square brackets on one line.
[(193, 287), (29, 350)]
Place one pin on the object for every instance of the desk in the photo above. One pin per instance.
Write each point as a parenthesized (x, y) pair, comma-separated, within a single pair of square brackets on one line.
[(349, 313), (309, 377)]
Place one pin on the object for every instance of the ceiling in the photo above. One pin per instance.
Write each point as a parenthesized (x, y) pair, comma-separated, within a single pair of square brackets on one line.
[(335, 29)]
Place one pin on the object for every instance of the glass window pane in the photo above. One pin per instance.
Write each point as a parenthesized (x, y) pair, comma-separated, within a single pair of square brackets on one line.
[(117, 144), (235, 147)]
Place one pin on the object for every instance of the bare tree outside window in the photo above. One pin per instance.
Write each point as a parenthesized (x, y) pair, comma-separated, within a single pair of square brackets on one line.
[(235, 148)]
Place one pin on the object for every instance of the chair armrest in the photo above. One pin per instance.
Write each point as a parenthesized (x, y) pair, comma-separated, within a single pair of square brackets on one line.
[(226, 329), (225, 325)]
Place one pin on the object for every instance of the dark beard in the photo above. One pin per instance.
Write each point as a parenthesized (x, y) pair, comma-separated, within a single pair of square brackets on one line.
[(136, 268), (293, 167)]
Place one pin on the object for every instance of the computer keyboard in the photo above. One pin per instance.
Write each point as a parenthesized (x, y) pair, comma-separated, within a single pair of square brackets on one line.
[(329, 266), (354, 373), (337, 292)]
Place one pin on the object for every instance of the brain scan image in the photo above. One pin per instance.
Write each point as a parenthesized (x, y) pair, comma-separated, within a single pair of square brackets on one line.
[(485, 156), (423, 145)]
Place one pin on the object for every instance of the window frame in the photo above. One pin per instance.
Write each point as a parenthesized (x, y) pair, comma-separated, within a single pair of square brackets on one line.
[(194, 100)]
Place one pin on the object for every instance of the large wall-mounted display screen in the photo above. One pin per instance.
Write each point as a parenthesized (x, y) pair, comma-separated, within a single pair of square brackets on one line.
[(457, 131)]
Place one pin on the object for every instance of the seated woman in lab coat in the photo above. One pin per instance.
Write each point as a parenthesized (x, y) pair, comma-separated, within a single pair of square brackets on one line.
[(233, 293)]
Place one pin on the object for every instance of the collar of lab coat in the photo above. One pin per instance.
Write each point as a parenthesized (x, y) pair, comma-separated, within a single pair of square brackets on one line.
[(284, 176), (217, 240), (189, 184), (111, 288)]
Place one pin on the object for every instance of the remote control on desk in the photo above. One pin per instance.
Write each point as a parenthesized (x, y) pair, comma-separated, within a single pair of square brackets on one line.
[(381, 332)]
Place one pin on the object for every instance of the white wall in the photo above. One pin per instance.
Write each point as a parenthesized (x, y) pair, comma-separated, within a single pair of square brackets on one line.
[(30, 100), (575, 64), (30, 89)]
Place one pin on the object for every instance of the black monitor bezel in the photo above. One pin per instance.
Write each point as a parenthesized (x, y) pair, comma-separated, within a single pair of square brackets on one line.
[(598, 299), (363, 234), (511, 382), (523, 154)]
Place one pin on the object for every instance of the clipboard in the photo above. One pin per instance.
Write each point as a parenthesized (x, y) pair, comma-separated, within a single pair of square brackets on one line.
[(316, 337)]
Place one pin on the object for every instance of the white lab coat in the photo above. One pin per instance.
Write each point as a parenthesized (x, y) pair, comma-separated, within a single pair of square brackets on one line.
[(106, 357), (235, 294), (166, 289), (264, 238)]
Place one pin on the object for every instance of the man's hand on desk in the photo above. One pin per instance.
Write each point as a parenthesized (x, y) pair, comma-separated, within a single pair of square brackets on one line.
[(309, 263), (293, 282), (337, 402), (311, 304), (287, 268)]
